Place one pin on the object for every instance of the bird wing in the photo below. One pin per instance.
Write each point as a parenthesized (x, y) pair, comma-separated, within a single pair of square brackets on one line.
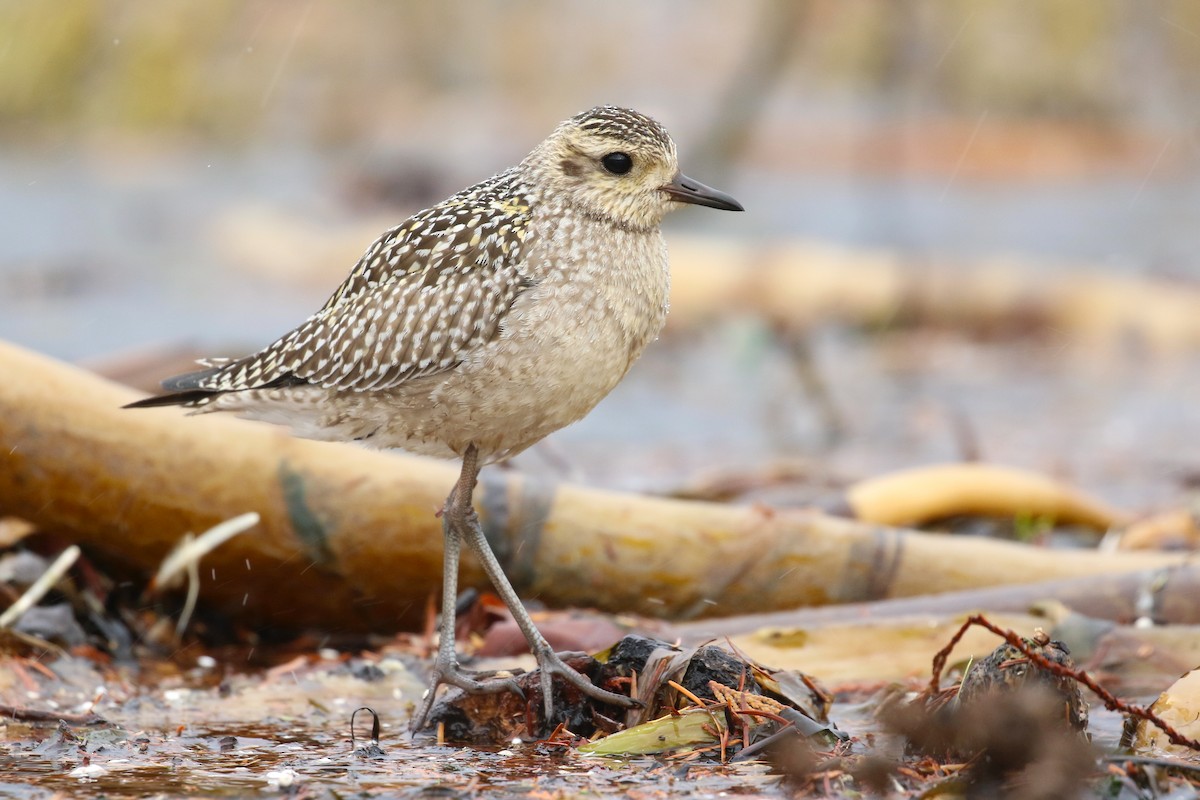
[(425, 294)]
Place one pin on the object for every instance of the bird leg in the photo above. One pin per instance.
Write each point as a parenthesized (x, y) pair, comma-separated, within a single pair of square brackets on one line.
[(548, 661), (445, 666), (459, 522)]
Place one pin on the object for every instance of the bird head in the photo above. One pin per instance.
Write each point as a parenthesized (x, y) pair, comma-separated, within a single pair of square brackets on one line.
[(619, 166)]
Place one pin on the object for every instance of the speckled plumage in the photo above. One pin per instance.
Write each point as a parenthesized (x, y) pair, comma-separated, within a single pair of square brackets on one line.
[(496, 317), (478, 326)]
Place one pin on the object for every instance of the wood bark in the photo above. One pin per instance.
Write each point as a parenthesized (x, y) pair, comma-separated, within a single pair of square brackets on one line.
[(349, 538)]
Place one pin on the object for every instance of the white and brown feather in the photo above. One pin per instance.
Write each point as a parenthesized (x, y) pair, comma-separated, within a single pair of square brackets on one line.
[(422, 296), (493, 318)]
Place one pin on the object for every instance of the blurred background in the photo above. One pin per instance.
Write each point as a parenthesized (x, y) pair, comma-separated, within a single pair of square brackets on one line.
[(200, 174)]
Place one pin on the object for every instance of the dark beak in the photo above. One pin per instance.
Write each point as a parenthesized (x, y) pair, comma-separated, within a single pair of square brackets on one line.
[(685, 190)]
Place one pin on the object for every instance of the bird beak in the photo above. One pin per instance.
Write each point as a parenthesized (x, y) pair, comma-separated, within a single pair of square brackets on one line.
[(685, 190)]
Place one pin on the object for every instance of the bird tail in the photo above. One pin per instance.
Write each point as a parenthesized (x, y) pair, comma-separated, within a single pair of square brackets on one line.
[(194, 389), (195, 397), (182, 390)]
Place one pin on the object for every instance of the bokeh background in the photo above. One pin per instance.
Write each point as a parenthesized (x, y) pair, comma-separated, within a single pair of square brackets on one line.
[(201, 173)]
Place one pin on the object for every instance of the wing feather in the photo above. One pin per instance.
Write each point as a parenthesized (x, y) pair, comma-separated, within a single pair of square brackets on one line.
[(424, 294)]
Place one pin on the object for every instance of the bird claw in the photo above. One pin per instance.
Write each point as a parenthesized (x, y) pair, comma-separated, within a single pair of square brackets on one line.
[(453, 675), (551, 664)]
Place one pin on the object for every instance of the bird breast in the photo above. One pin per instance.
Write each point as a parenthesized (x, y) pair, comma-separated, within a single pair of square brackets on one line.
[(597, 298)]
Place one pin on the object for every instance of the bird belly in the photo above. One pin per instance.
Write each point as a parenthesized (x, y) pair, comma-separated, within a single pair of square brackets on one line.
[(562, 348), (513, 392), (538, 376)]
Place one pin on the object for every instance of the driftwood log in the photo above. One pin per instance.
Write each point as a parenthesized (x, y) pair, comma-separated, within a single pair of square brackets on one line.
[(349, 538), (804, 284), (925, 494), (1168, 597)]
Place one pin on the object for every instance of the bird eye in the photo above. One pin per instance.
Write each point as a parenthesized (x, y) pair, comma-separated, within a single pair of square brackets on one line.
[(617, 163)]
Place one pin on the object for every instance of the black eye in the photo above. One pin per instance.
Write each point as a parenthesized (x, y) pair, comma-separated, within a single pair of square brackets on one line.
[(617, 163)]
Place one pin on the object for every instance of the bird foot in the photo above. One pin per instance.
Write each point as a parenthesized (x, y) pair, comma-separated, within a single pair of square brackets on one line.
[(551, 664), (452, 674)]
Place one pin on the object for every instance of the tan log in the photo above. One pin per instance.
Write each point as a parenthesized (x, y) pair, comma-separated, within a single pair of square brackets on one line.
[(349, 540), (798, 283), (923, 494)]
